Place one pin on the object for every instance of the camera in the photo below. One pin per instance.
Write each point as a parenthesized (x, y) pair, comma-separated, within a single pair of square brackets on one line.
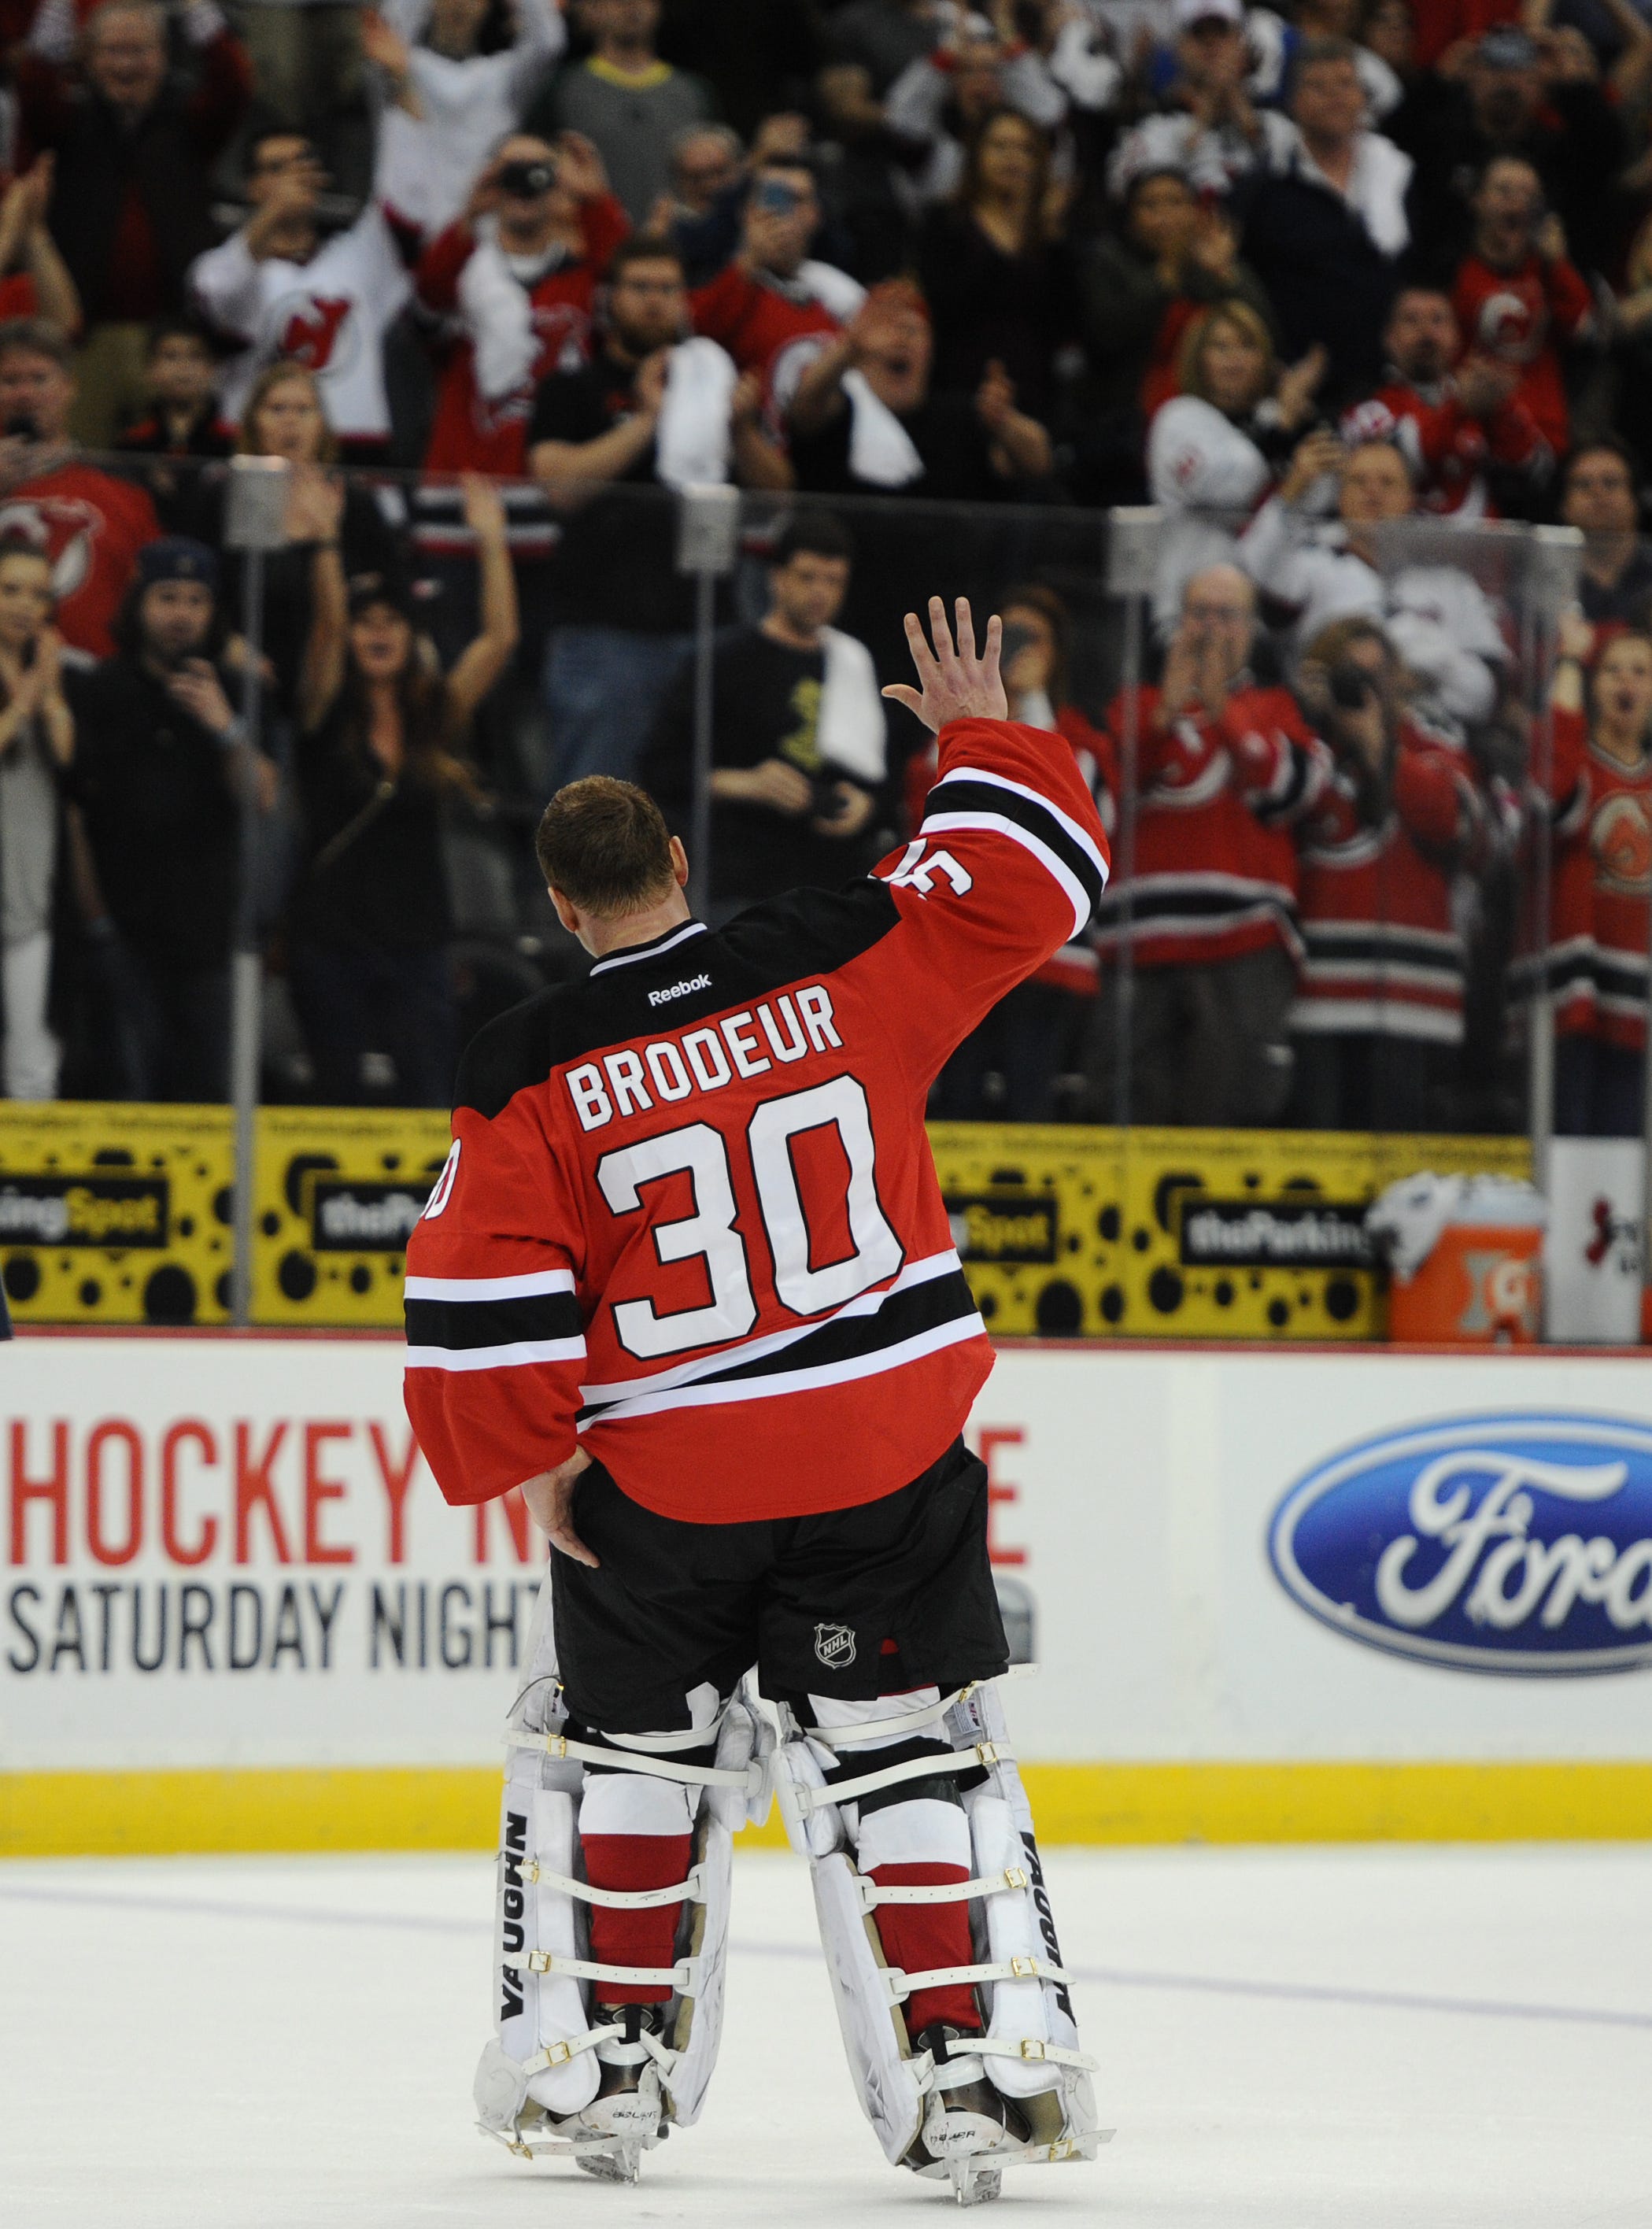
[(1350, 688), (525, 181), (1016, 640)]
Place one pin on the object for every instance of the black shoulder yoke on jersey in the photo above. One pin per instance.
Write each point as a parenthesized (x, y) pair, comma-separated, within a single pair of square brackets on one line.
[(805, 933)]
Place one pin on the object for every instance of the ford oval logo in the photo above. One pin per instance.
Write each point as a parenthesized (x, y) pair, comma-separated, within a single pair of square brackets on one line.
[(1494, 1543)]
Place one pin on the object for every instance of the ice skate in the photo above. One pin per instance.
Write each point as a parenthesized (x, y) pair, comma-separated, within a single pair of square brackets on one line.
[(627, 2117), (966, 2120)]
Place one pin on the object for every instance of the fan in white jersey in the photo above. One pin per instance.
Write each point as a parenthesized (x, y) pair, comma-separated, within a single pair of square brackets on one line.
[(1437, 615), (282, 287), (1212, 450)]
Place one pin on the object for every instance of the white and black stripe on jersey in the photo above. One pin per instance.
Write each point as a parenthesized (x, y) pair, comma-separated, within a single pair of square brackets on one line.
[(491, 1323), (690, 1221)]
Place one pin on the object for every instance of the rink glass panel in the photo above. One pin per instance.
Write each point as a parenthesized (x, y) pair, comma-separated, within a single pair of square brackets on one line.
[(336, 1188)]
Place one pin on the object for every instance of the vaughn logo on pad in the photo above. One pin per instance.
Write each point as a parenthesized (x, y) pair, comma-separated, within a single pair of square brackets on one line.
[(1492, 1543)]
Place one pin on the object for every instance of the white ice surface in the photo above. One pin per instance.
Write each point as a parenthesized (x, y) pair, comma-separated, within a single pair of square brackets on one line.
[(1298, 2039)]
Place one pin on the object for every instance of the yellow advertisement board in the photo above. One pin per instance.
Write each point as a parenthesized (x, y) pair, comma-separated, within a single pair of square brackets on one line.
[(337, 1190), (120, 1215), (1181, 1234), (115, 1214)]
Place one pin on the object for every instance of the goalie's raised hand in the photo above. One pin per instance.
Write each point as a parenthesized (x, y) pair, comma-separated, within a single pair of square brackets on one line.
[(954, 683)]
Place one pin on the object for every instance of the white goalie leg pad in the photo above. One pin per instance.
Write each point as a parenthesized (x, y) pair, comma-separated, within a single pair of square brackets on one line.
[(1032, 2047), (695, 2027), (843, 1848), (891, 2083), (541, 2017)]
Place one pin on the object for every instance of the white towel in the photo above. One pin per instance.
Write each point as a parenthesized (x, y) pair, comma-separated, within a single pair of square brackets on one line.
[(850, 734), (880, 448), (692, 444), (499, 318)]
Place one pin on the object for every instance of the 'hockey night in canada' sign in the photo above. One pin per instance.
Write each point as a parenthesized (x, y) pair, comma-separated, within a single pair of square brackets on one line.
[(1489, 1543)]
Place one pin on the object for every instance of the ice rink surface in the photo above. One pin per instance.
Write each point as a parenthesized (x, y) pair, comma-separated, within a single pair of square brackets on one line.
[(1290, 2039)]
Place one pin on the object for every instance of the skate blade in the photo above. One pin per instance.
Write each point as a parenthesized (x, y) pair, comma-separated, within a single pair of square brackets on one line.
[(620, 2162), (972, 2184)]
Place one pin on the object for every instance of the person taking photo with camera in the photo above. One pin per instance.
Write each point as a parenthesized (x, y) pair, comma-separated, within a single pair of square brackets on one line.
[(1377, 1027)]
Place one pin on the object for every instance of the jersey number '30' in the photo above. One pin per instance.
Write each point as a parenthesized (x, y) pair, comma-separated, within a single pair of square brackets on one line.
[(709, 1234)]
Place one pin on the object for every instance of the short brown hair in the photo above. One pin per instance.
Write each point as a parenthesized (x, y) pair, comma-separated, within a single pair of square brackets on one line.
[(604, 844)]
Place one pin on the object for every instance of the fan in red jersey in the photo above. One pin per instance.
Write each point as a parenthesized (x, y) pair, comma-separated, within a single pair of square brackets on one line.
[(1518, 296), (1378, 1022), (1224, 763), (1602, 880), (688, 1279), (90, 524), (1457, 418), (774, 307), (515, 277)]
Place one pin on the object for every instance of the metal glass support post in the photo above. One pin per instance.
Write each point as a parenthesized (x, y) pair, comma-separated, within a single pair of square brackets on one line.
[(708, 542), (1132, 558), (255, 523), (1557, 557)]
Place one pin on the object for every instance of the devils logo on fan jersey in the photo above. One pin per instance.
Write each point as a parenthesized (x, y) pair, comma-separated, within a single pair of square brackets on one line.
[(316, 330), (62, 527), (1621, 840)]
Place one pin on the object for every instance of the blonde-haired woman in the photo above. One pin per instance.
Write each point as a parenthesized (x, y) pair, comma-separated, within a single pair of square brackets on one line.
[(285, 417), (1214, 449)]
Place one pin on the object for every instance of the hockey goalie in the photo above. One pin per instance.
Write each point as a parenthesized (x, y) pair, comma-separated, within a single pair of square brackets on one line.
[(686, 1278)]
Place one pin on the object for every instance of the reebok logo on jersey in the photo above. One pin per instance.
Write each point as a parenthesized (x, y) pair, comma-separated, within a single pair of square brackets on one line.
[(679, 990)]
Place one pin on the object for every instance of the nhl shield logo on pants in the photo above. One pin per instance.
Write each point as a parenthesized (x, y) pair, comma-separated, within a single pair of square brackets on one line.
[(835, 1646)]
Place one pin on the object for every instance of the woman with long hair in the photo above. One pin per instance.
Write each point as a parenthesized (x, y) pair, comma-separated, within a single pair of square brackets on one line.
[(285, 417), (992, 266), (382, 733), (37, 743), (1215, 448)]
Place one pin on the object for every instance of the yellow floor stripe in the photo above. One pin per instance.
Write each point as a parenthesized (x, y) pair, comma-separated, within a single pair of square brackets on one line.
[(132, 1814)]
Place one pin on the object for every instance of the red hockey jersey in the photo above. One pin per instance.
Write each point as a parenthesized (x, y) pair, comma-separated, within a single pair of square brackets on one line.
[(768, 326), (690, 1220), (1380, 952), (1215, 868), (1517, 316), (1602, 883), (1076, 967), (475, 432), (92, 526), (1448, 450)]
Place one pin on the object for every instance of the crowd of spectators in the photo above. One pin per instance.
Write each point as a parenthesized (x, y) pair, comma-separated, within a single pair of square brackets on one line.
[(1338, 285)]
